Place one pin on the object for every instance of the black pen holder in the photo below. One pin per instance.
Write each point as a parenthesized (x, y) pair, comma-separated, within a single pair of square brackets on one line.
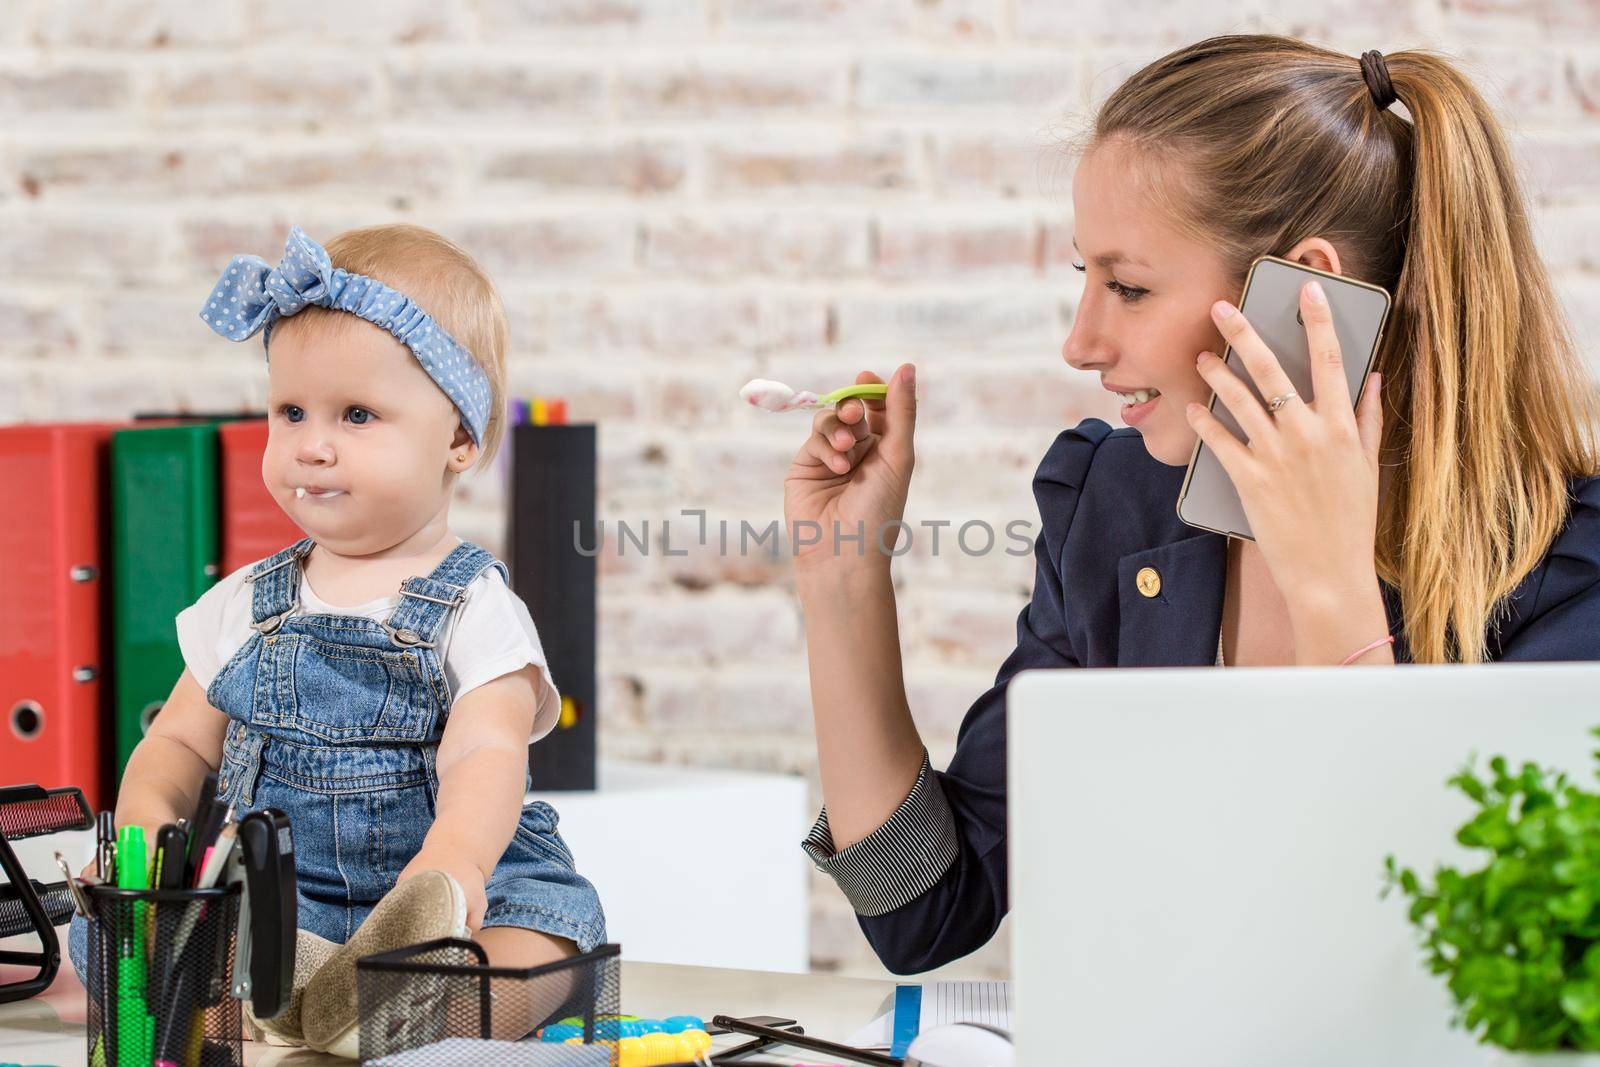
[(440, 1004), (159, 974)]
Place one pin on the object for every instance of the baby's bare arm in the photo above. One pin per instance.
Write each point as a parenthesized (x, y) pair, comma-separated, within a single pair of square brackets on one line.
[(483, 761), (163, 778), (483, 758)]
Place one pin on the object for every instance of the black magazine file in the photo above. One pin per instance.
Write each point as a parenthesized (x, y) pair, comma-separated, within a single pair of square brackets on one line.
[(551, 548)]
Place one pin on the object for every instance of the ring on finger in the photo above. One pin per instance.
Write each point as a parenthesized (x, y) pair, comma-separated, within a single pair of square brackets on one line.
[(1280, 400)]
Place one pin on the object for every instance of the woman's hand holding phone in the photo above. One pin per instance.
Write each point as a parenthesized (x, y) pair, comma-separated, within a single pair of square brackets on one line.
[(1307, 478)]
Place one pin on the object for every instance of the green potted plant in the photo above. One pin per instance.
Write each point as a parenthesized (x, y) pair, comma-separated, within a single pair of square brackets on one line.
[(1517, 939)]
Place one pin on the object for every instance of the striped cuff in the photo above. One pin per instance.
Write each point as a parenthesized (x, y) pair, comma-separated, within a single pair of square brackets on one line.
[(900, 860)]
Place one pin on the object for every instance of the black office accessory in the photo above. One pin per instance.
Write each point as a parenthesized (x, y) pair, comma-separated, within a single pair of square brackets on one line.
[(434, 999), (209, 815), (27, 906), (777, 1022), (170, 1018), (550, 553), (105, 851), (755, 1045), (263, 965), (810, 1044), (170, 861)]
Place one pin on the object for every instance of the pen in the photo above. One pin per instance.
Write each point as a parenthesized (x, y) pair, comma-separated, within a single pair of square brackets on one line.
[(198, 827), (135, 1027), (105, 849), (170, 848), (217, 855), (79, 904)]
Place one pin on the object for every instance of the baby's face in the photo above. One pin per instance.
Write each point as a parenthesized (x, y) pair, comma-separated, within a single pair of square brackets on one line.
[(357, 424)]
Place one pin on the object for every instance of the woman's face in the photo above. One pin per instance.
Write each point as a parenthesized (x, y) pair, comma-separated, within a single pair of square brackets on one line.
[(1145, 314)]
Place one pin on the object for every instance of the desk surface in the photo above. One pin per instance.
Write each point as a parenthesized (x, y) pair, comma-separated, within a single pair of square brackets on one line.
[(49, 1029)]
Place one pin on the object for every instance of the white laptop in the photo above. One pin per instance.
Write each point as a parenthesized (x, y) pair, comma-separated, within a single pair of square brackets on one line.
[(1196, 856)]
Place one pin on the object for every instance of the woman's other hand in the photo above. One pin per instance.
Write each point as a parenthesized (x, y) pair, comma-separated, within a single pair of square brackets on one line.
[(854, 471)]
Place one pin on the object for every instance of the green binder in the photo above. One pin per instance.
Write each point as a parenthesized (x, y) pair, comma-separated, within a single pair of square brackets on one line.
[(164, 551)]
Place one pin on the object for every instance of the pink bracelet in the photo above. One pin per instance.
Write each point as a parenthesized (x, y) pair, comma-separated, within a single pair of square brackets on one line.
[(1358, 653)]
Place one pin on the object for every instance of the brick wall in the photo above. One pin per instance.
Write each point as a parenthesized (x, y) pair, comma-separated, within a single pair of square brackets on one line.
[(675, 196)]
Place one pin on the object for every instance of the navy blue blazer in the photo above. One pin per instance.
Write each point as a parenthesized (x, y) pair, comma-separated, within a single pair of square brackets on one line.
[(1108, 511)]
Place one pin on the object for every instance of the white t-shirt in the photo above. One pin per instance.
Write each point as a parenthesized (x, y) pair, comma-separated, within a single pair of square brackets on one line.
[(490, 634)]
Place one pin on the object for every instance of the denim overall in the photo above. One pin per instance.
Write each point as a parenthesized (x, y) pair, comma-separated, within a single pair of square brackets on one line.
[(336, 720)]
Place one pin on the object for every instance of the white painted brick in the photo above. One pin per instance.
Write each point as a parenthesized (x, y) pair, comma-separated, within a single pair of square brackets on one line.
[(1028, 165), (40, 93), (542, 20), (1565, 235), (941, 246), (723, 246), (1159, 23), (866, 163), (591, 245), (949, 320), (827, 19), (1562, 167), (279, 87), (680, 322), (83, 249), (702, 89), (38, 328), (960, 20), (924, 82), (586, 165), (141, 24), (366, 24), (469, 90)]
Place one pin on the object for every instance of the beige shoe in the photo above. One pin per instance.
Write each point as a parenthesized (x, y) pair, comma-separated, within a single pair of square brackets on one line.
[(425, 907), (310, 953)]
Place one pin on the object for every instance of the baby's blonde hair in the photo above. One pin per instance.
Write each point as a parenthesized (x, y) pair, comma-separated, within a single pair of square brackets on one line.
[(443, 280)]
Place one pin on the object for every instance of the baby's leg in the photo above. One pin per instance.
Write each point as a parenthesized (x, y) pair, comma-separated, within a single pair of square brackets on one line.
[(520, 1005)]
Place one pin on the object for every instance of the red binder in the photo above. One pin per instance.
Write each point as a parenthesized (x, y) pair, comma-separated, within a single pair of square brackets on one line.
[(253, 525), (52, 603)]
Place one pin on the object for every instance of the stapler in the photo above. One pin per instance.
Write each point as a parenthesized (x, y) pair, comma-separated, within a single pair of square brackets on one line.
[(263, 962)]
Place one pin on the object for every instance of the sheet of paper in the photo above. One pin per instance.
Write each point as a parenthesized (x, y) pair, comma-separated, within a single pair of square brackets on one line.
[(965, 1002), (879, 1033)]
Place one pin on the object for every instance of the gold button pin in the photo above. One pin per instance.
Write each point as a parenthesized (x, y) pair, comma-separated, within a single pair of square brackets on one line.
[(1148, 581)]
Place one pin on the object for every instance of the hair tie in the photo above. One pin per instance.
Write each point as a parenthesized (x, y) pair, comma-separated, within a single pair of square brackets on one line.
[(251, 295), (1375, 72)]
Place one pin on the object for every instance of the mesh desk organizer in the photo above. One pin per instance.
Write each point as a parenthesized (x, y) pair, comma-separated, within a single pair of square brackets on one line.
[(440, 1004), (27, 906)]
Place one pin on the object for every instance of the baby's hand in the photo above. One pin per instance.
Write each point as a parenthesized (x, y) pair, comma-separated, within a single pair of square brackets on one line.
[(441, 857)]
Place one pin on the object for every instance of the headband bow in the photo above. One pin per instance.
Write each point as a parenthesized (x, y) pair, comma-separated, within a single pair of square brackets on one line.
[(251, 295)]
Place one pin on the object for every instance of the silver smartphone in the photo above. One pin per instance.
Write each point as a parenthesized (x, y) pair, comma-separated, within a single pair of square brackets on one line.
[(1271, 304)]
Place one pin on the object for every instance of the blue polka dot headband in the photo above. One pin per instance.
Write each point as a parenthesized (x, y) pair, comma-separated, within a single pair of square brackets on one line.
[(251, 295)]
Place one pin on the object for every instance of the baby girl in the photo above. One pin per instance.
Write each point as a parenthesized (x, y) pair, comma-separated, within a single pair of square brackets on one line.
[(378, 680)]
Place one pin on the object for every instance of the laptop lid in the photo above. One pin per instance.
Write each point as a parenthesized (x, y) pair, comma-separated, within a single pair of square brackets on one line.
[(1196, 856)]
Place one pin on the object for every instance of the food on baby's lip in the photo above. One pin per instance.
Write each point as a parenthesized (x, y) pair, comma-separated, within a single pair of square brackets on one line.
[(775, 396)]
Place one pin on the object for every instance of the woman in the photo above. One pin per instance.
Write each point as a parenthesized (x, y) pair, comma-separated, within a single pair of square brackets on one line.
[(1452, 516)]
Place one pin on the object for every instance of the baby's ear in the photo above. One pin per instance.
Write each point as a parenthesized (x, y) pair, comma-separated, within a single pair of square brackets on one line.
[(463, 450)]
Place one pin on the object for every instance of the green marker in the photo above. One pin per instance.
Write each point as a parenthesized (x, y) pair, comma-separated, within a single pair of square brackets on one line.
[(135, 1027)]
